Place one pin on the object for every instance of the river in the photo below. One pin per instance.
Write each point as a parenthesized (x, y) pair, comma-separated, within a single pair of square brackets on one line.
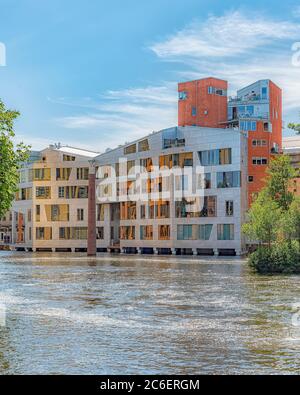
[(68, 314)]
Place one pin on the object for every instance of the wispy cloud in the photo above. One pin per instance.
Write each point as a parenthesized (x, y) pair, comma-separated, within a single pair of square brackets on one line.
[(238, 47), (224, 36), (120, 116)]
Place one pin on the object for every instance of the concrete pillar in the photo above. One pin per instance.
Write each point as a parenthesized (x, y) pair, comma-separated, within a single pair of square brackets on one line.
[(92, 242), (173, 251), (53, 249), (195, 252), (139, 250), (155, 250), (216, 252), (238, 252)]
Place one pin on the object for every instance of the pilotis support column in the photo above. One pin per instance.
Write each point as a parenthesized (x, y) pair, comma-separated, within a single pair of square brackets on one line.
[(91, 243)]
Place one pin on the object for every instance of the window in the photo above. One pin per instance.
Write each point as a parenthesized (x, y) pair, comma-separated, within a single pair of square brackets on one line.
[(183, 95), (205, 232), (250, 179), (83, 173), (216, 157), (229, 208), (143, 145), (259, 143), (100, 233), (194, 111), (226, 232), (68, 158), (216, 91), (195, 208), (63, 174), (100, 212), (80, 214), (187, 232), (131, 149), (57, 212), (264, 93), (44, 233), (146, 232), (43, 192), (75, 233), (41, 174), (24, 194), (146, 165), (170, 143), (127, 232), (29, 215), (229, 179), (38, 213), (259, 161), (73, 192), (204, 181), (248, 126), (162, 210), (164, 232), (128, 210), (180, 160)]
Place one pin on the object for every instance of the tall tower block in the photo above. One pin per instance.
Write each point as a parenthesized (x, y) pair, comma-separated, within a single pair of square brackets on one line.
[(203, 103)]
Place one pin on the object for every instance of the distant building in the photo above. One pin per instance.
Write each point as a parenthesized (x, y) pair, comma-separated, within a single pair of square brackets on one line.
[(291, 147), (5, 229)]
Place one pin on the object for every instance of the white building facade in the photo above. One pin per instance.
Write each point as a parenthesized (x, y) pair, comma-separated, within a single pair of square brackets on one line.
[(144, 212)]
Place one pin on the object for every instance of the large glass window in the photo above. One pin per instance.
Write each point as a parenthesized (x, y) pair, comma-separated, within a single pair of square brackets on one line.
[(44, 233), (226, 232), (229, 179), (131, 149), (82, 173), (146, 232), (182, 95), (127, 232), (205, 231), (216, 157), (41, 174), (164, 232), (63, 174), (73, 192), (57, 212), (76, 233), (43, 192), (143, 145), (187, 232)]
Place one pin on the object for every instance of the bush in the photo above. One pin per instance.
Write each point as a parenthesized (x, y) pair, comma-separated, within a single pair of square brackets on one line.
[(283, 257)]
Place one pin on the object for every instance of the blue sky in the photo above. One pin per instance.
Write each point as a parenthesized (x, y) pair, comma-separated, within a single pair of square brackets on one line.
[(100, 73)]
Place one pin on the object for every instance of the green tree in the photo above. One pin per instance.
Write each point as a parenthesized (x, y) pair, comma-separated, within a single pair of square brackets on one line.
[(280, 174), (291, 221), (11, 157), (294, 126), (263, 220)]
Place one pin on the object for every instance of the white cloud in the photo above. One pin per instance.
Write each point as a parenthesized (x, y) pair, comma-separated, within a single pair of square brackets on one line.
[(125, 115), (224, 36), (237, 47)]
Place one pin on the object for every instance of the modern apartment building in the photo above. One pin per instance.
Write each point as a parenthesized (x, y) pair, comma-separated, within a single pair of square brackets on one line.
[(51, 208), (257, 109), (291, 147), (182, 190), (141, 210)]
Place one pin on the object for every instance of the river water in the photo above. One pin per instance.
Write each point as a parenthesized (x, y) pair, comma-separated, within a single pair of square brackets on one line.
[(64, 314)]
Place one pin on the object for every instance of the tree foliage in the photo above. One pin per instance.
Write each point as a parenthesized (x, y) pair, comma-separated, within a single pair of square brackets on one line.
[(11, 157), (294, 126), (274, 222)]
